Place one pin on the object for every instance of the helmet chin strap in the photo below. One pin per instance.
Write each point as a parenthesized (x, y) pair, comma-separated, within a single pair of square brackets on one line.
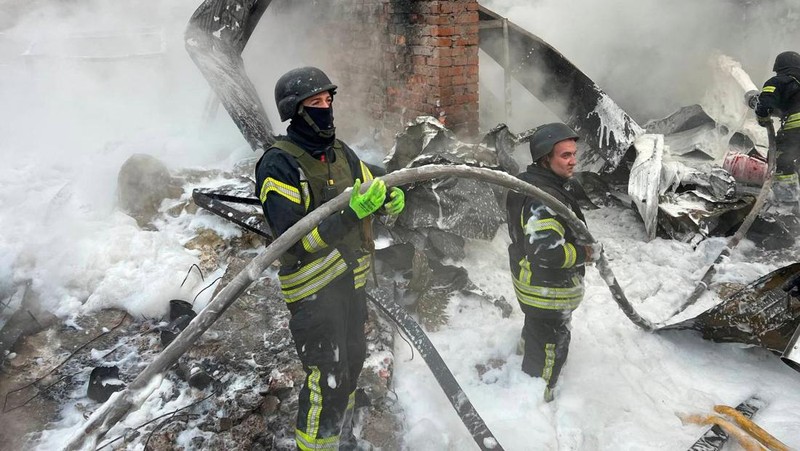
[(326, 134)]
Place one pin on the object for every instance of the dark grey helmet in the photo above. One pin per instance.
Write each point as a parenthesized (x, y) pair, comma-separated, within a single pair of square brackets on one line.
[(546, 136), (297, 85), (786, 60)]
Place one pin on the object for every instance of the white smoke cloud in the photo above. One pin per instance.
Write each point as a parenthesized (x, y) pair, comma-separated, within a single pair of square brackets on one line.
[(84, 85), (652, 56)]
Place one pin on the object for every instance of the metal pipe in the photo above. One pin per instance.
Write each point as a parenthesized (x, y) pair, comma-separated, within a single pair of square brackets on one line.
[(506, 70)]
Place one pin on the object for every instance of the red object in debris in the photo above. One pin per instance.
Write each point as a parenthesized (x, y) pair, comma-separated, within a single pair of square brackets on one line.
[(744, 168)]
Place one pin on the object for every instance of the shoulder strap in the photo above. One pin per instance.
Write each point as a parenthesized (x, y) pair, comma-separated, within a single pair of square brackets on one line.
[(289, 147)]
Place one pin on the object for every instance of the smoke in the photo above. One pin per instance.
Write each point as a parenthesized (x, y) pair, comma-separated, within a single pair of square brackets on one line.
[(652, 56), (84, 85)]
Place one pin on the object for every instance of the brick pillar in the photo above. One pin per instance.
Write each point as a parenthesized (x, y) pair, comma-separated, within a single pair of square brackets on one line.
[(433, 48), (398, 59)]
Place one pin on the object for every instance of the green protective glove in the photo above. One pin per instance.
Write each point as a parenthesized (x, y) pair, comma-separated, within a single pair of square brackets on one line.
[(369, 202), (397, 203)]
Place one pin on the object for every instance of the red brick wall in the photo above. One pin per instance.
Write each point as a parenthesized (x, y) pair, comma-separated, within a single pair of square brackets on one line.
[(398, 59), (436, 44)]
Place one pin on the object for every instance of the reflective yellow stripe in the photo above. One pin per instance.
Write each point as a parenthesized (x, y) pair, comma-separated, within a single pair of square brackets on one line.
[(546, 224), (360, 281), (768, 89), (365, 172), (312, 277), (525, 272), (570, 256), (309, 270), (308, 440), (549, 361), (313, 242), (792, 121), (786, 178), (361, 271), (550, 298), (285, 190), (308, 444), (306, 195), (318, 282), (351, 401), (315, 402)]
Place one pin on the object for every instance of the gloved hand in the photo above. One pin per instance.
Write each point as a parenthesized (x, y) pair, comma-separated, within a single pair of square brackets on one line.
[(793, 287), (593, 252), (397, 203), (369, 202), (764, 120)]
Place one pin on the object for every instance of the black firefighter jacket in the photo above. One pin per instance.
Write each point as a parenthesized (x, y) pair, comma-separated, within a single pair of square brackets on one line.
[(547, 264)]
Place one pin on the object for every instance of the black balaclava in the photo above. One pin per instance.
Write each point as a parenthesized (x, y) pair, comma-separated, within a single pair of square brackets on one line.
[(312, 128)]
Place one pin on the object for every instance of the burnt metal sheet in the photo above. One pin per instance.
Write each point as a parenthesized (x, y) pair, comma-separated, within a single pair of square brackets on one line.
[(760, 314), (606, 130), (645, 179), (467, 208), (232, 204)]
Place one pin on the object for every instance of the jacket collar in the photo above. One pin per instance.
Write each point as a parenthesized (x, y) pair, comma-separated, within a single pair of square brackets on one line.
[(546, 174)]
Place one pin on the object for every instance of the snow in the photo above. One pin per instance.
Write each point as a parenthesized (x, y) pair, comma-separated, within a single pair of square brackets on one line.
[(68, 126), (621, 388)]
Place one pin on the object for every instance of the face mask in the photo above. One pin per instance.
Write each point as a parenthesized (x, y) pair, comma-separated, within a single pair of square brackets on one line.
[(323, 119)]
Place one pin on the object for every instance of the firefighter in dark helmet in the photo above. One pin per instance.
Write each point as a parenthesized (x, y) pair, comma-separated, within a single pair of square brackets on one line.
[(322, 276), (780, 97), (547, 264)]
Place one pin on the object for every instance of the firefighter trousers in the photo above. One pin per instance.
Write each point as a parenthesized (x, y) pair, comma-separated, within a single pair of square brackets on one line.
[(788, 147), (328, 331), (546, 336)]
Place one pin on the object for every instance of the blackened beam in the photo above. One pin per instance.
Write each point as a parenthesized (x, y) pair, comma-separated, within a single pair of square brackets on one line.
[(217, 34)]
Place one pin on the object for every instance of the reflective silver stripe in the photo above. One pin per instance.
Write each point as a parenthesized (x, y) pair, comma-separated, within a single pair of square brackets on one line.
[(525, 271), (317, 283), (309, 270), (365, 172), (307, 444), (792, 121), (786, 178), (313, 242), (549, 361), (570, 256), (361, 271), (306, 195), (272, 185), (315, 402), (548, 224), (305, 192), (553, 292), (308, 440), (360, 280), (550, 298)]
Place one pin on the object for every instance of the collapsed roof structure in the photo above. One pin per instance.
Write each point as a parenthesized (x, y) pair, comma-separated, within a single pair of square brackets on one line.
[(690, 176)]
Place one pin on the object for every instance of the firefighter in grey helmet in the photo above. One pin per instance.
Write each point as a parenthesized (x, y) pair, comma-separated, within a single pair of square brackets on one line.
[(322, 276), (780, 97), (547, 262)]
